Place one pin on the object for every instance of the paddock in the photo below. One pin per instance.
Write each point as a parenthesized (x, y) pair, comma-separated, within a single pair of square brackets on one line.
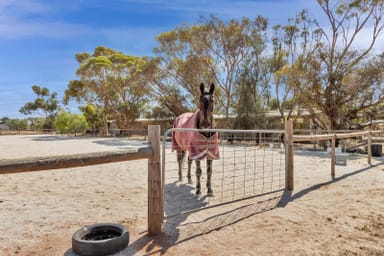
[(321, 216), (251, 164)]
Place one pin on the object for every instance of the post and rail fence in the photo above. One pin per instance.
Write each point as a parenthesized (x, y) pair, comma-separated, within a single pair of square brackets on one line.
[(153, 154), (290, 139)]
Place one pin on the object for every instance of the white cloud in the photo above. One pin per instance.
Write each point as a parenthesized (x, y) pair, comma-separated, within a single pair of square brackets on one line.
[(36, 18), (20, 8), (25, 18), (15, 29), (14, 18)]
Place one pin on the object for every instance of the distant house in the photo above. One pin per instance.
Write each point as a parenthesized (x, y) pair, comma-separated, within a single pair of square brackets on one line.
[(4, 127)]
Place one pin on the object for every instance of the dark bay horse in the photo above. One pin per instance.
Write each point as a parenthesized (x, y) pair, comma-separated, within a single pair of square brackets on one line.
[(199, 144)]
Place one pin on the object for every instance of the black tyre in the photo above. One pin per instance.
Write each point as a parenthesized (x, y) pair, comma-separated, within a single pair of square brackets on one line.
[(100, 239)]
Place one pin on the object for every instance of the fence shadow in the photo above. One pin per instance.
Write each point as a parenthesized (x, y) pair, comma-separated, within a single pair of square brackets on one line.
[(187, 226), (217, 218), (288, 197), (179, 230), (325, 155)]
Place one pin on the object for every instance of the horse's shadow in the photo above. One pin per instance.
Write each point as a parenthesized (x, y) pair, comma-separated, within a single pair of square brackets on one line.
[(188, 217), (181, 226), (180, 201)]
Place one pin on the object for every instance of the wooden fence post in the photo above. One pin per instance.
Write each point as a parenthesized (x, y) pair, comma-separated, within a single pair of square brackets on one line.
[(155, 195), (289, 181), (369, 147), (333, 156)]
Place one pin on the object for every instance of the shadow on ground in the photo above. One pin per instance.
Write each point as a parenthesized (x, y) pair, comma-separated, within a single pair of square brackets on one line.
[(326, 155), (121, 142), (59, 138), (185, 227)]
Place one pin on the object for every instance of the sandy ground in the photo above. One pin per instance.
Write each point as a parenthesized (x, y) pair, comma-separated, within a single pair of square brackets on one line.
[(40, 211)]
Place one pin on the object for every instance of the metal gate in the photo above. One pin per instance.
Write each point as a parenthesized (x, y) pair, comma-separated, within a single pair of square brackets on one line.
[(251, 164)]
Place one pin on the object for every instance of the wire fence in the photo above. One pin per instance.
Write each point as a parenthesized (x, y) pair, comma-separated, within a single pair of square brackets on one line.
[(252, 163)]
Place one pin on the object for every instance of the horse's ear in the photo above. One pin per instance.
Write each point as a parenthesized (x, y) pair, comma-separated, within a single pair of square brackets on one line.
[(202, 88), (211, 89)]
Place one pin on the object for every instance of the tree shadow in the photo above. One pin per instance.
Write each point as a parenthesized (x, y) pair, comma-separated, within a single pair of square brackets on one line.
[(59, 137), (115, 142)]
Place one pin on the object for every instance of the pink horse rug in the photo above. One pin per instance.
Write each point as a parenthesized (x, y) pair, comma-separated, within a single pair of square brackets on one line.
[(198, 146)]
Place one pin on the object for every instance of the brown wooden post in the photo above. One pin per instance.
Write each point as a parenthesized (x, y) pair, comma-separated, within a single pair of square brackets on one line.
[(333, 156), (289, 181), (155, 196), (369, 147)]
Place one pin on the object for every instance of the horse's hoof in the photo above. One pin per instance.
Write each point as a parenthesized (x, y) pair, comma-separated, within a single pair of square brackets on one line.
[(189, 181), (198, 192), (210, 192)]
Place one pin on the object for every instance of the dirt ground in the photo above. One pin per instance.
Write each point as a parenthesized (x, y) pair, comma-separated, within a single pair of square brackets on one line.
[(40, 211)]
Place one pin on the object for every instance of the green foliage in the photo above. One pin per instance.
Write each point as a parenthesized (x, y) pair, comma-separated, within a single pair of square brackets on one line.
[(339, 80), (70, 123), (93, 115), (159, 112), (15, 124), (248, 108), (309, 67), (46, 105), (115, 84), (212, 51), (273, 104), (37, 123)]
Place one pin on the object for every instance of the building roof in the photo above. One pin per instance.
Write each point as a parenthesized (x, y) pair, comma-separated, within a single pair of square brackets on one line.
[(4, 127)]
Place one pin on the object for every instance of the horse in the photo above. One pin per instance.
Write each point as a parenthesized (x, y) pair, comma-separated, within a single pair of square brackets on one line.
[(199, 144)]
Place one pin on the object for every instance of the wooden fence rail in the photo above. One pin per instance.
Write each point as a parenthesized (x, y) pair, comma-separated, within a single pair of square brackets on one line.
[(152, 153), (67, 161), (290, 139)]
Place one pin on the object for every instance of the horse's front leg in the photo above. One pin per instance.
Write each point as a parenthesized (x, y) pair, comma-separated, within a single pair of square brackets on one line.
[(180, 157), (198, 175), (189, 170), (209, 174)]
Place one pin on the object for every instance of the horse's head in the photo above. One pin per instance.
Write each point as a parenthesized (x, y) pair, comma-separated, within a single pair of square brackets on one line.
[(206, 107)]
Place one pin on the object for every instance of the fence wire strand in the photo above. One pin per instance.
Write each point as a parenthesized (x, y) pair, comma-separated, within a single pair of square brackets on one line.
[(252, 163)]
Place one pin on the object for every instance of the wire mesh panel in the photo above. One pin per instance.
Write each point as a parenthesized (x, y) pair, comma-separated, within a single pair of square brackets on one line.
[(251, 163)]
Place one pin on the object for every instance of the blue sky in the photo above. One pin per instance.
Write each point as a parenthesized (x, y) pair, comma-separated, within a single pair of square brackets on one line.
[(39, 38)]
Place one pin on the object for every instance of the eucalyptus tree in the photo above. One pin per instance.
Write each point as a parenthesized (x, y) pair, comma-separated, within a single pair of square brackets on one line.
[(211, 51), (290, 43), (343, 78), (113, 83), (45, 105), (252, 90)]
